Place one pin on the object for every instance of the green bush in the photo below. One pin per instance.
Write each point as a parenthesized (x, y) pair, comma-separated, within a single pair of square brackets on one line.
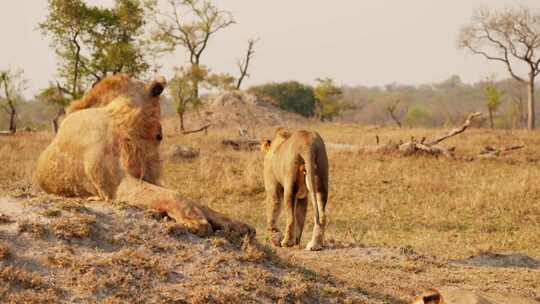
[(291, 96), (416, 116)]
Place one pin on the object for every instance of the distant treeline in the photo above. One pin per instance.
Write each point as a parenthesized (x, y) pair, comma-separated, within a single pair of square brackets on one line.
[(425, 105), (434, 105)]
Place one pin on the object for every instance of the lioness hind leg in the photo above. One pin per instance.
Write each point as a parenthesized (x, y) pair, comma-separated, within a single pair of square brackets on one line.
[(288, 199), (317, 239), (300, 209), (274, 194)]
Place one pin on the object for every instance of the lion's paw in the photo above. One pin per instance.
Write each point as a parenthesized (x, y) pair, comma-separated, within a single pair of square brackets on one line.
[(287, 242), (241, 229), (276, 237), (314, 246), (200, 228)]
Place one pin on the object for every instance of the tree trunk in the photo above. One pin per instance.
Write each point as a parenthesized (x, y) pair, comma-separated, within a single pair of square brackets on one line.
[(54, 124), (318, 111), (11, 105), (196, 89), (56, 121), (515, 118), (181, 117), (531, 112), (490, 118), (195, 69), (12, 122)]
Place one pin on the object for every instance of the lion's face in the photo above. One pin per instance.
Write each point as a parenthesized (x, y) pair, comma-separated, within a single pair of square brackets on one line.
[(133, 103)]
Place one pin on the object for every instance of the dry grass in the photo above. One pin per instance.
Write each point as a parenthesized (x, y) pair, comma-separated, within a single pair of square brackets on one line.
[(428, 206), (4, 251), (440, 207), (18, 285), (78, 226), (33, 227)]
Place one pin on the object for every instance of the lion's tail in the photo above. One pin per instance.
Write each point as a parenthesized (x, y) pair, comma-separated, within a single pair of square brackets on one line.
[(312, 182)]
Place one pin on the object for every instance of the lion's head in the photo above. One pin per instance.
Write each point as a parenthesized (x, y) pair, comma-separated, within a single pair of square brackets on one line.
[(120, 85), (133, 107)]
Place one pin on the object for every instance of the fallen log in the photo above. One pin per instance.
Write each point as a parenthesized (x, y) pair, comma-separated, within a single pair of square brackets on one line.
[(490, 151), (456, 131), (203, 128), (242, 143), (413, 146), (6, 133)]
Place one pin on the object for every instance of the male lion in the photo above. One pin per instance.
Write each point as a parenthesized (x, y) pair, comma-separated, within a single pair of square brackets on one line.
[(108, 147), (293, 162)]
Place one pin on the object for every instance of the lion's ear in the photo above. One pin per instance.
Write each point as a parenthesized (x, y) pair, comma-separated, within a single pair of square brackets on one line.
[(283, 133), (265, 145), (157, 86), (431, 297)]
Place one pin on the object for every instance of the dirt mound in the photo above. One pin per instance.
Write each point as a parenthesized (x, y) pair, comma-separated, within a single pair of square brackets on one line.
[(54, 250), (241, 109)]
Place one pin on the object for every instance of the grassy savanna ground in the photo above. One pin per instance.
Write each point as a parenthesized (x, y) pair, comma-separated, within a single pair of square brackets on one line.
[(448, 208), (394, 222)]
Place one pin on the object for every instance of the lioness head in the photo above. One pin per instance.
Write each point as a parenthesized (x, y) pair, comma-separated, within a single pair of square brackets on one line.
[(280, 135), (265, 145)]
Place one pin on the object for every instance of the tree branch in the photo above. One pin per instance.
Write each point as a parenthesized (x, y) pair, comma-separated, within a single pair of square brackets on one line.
[(244, 65), (203, 128), (455, 131)]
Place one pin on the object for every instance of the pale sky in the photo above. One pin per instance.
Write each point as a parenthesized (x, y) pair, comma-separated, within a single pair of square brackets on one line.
[(368, 42)]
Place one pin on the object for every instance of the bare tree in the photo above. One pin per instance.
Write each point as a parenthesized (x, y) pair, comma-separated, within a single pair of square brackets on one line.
[(12, 85), (189, 24), (243, 64), (391, 109), (510, 36)]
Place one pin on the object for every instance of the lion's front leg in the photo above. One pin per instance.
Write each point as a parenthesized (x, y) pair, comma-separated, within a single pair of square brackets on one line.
[(199, 219), (229, 226), (184, 212)]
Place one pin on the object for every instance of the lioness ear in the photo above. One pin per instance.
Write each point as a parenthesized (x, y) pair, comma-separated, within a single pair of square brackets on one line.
[(284, 133), (157, 86), (265, 145)]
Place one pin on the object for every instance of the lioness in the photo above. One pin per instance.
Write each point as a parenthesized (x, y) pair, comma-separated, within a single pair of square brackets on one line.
[(294, 162), (459, 296)]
